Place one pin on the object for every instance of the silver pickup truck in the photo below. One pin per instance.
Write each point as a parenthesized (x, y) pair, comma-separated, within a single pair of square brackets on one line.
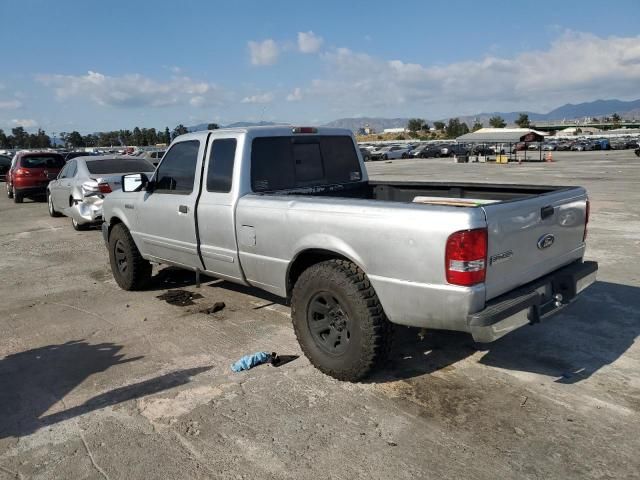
[(290, 210)]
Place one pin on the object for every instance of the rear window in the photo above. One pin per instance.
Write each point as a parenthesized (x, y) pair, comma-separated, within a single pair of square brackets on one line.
[(42, 161), (280, 163), (119, 165)]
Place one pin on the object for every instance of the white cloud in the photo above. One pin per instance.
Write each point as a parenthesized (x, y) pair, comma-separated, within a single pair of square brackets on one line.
[(295, 96), (577, 67), (133, 90), (10, 104), (260, 98), (26, 123), (309, 42), (264, 53)]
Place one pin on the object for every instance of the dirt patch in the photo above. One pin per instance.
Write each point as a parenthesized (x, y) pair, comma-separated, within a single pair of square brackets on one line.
[(159, 407), (181, 298), (101, 275), (216, 307), (437, 398)]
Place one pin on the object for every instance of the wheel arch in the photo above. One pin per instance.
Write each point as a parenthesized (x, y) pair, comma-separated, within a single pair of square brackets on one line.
[(309, 257), (112, 222)]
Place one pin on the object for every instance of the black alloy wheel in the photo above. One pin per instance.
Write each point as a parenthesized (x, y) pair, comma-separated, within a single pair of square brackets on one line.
[(329, 324)]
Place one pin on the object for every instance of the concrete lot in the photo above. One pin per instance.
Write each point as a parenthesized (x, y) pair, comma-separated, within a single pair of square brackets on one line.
[(96, 382)]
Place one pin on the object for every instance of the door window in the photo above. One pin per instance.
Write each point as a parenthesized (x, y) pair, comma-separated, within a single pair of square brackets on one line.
[(177, 171), (220, 172)]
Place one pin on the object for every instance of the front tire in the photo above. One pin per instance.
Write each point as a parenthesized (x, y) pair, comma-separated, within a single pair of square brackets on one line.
[(130, 270), (339, 321), (52, 210)]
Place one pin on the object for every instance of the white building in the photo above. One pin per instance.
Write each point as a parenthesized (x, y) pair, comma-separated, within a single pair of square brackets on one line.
[(395, 130)]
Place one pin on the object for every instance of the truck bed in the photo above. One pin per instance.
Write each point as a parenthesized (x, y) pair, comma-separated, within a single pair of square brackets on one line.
[(408, 191), (517, 217)]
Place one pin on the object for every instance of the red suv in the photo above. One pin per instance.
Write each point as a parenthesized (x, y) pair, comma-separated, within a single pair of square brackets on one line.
[(31, 172)]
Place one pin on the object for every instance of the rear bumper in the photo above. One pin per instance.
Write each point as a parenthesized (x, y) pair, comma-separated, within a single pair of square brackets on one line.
[(32, 190), (531, 303), (86, 211)]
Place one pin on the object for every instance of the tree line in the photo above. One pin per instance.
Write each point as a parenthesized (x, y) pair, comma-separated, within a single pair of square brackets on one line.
[(141, 137), (454, 127)]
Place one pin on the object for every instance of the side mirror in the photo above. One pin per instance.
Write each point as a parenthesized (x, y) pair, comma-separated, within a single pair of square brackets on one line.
[(134, 182)]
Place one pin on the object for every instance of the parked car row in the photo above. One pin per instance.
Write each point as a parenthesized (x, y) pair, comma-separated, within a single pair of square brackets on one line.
[(424, 150), (435, 149), (75, 188)]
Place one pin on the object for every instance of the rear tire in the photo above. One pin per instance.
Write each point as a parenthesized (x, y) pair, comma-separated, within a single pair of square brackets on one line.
[(17, 197), (51, 208), (79, 227), (130, 270), (9, 191), (339, 321)]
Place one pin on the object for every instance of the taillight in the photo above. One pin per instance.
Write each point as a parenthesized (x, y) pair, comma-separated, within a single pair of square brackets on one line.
[(23, 172), (92, 187), (104, 188), (466, 257), (586, 220)]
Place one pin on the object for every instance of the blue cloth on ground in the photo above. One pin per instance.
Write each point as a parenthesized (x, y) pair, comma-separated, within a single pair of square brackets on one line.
[(250, 361)]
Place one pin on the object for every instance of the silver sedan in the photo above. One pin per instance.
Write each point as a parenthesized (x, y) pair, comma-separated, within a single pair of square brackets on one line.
[(79, 190)]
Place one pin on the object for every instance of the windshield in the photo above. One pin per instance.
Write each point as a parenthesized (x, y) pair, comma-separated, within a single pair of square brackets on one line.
[(42, 161), (119, 165)]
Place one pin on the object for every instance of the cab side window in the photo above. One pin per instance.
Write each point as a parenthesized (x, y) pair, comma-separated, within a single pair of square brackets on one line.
[(177, 172)]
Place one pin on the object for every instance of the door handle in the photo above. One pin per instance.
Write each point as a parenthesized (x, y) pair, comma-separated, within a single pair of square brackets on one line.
[(183, 209), (546, 211)]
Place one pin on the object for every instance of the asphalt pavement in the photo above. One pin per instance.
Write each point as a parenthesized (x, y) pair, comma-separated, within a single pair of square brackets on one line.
[(96, 382)]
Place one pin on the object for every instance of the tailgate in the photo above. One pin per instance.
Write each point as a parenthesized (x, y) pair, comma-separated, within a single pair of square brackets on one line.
[(532, 236)]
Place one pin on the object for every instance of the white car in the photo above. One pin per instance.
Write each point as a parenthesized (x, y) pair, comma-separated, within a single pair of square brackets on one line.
[(390, 152), (82, 184)]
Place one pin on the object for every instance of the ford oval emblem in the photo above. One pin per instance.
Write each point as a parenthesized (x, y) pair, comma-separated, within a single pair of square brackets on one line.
[(546, 241)]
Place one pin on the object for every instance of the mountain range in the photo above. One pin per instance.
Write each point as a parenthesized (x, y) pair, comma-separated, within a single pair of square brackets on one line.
[(568, 111)]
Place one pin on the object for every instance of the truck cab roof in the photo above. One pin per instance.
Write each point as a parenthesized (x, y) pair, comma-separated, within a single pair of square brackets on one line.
[(267, 131)]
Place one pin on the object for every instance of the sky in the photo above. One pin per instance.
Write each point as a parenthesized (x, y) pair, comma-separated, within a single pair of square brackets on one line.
[(103, 65)]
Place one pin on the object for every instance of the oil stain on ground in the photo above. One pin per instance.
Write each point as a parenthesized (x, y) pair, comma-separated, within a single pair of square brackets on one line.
[(181, 298)]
